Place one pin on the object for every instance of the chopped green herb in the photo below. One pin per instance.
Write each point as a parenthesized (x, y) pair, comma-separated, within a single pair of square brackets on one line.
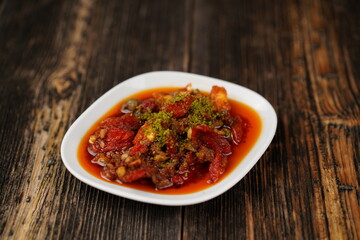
[(201, 112), (159, 122), (180, 96)]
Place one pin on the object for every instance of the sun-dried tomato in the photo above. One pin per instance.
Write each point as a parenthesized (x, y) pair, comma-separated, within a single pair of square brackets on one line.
[(218, 96), (179, 108), (204, 135), (127, 121), (148, 105), (183, 178), (237, 130), (115, 139), (142, 140), (133, 176), (217, 167)]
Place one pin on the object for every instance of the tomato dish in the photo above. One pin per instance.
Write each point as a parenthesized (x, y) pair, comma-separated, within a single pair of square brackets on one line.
[(169, 138)]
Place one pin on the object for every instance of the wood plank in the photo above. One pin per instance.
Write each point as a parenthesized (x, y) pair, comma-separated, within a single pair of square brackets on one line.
[(335, 95), (335, 105), (304, 202), (82, 49), (232, 42)]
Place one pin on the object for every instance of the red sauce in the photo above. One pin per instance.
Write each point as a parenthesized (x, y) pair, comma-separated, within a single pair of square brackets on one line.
[(239, 151)]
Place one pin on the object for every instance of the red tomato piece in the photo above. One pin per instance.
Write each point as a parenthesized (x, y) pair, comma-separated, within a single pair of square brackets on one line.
[(138, 149), (217, 167), (180, 179), (237, 130), (141, 141), (148, 105), (204, 135), (177, 180), (127, 121), (133, 176), (179, 108), (171, 145), (218, 96), (115, 139)]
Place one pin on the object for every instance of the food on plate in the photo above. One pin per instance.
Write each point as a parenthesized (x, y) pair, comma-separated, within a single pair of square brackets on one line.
[(169, 139)]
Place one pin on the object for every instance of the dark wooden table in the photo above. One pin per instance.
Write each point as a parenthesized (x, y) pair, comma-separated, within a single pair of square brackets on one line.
[(57, 57)]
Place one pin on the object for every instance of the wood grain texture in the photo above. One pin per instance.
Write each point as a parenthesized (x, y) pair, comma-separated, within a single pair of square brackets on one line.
[(57, 57)]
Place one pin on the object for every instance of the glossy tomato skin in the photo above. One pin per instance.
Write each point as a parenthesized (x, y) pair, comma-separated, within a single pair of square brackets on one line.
[(148, 105), (127, 121), (141, 141), (218, 96), (237, 130), (217, 167), (115, 139), (133, 176), (114, 133), (204, 135)]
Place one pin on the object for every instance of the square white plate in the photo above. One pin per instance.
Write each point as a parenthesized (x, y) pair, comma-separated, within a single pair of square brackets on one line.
[(158, 79)]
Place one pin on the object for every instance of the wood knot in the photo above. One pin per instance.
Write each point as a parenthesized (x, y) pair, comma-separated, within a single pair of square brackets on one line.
[(345, 187), (51, 162), (64, 86)]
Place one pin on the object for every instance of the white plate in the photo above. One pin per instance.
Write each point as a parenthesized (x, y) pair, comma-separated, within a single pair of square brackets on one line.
[(150, 80)]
